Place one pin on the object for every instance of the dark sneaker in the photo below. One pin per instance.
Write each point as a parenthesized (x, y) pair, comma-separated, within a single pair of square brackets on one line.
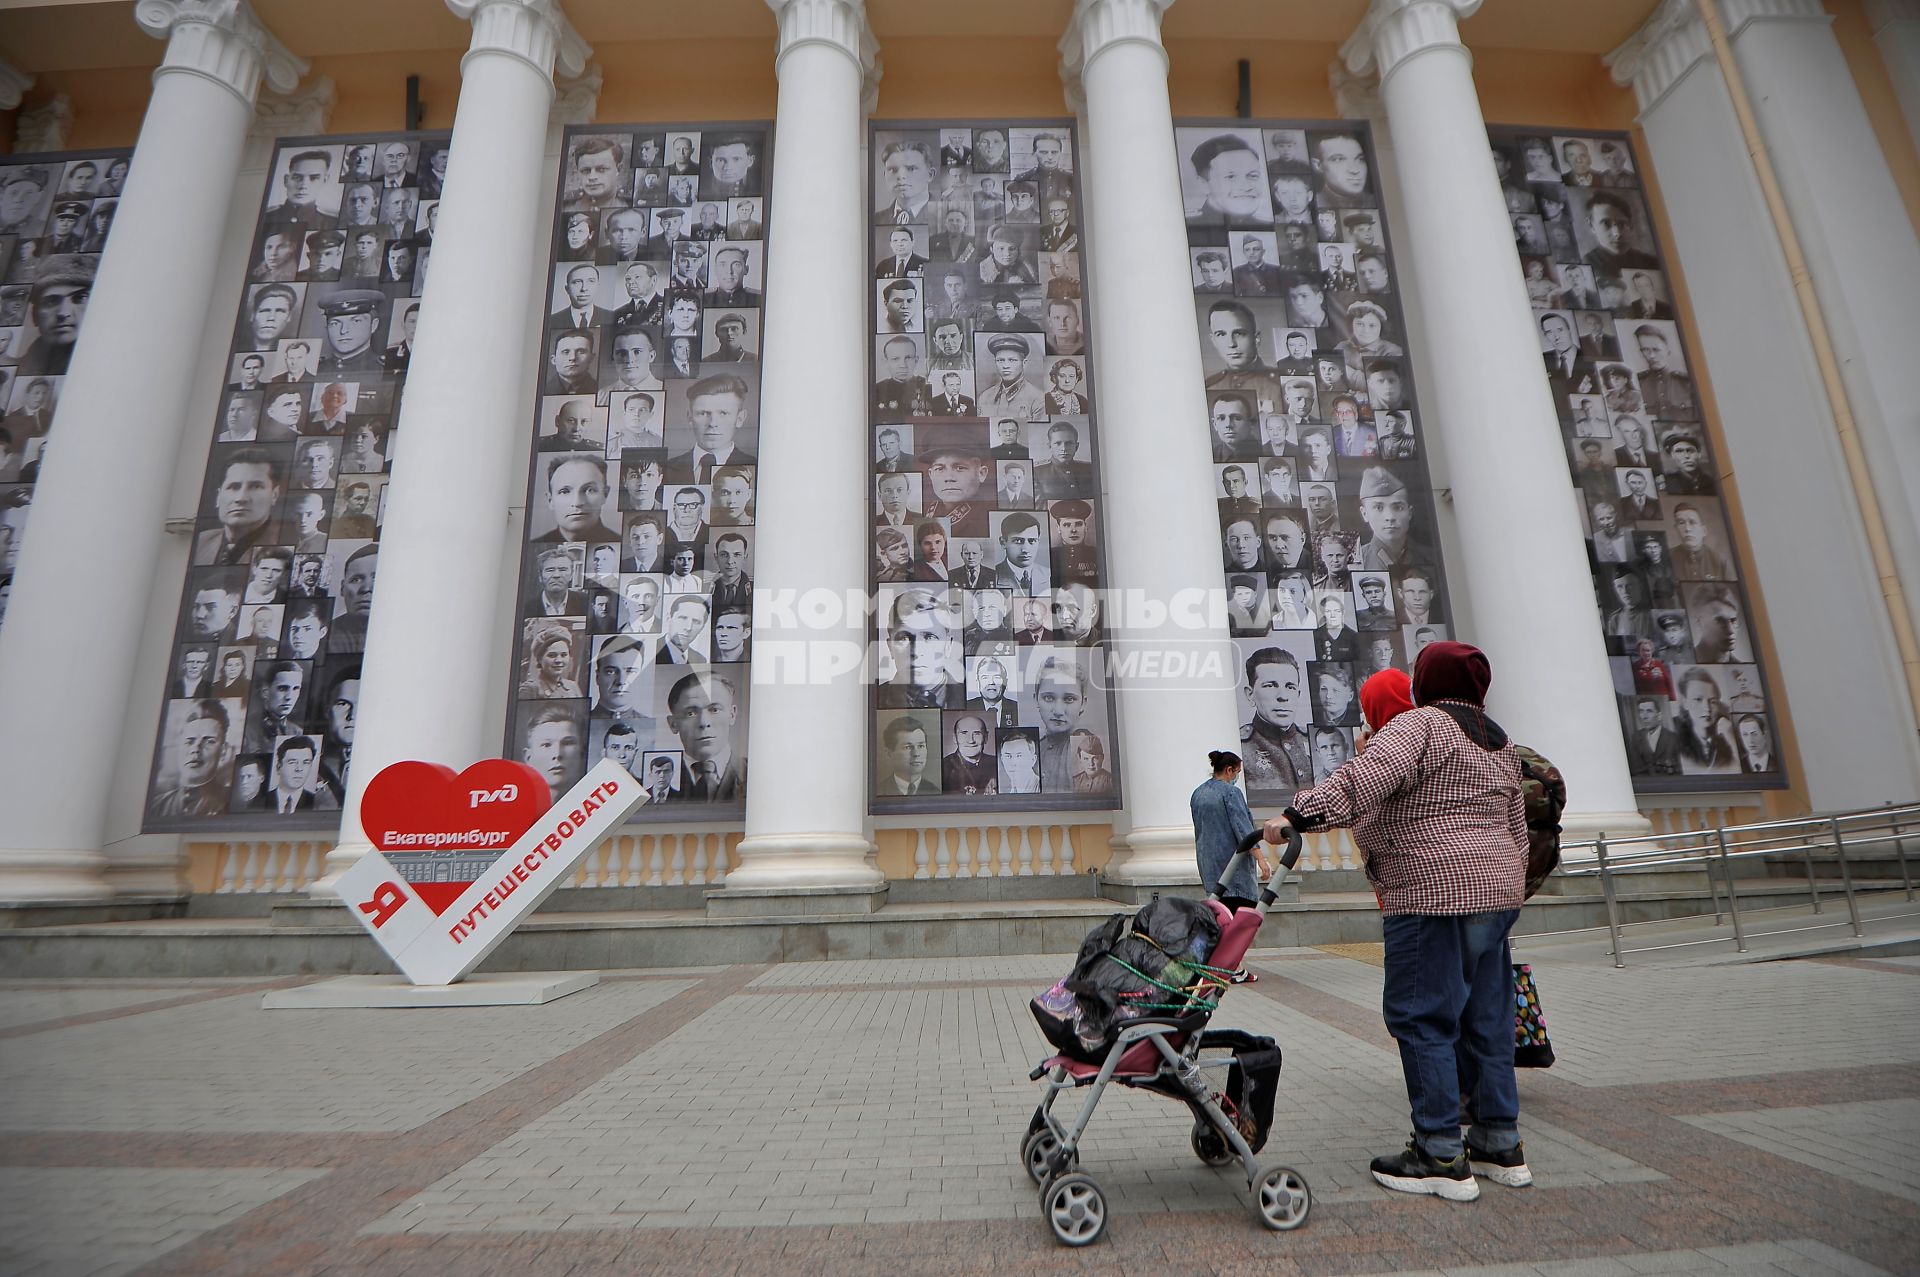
[(1412, 1170), (1509, 1168)]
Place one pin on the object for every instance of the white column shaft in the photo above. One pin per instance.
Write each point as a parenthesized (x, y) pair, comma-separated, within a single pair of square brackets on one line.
[(1858, 239), (1160, 518), (425, 669), (1524, 563), (80, 589), (1855, 738), (807, 723)]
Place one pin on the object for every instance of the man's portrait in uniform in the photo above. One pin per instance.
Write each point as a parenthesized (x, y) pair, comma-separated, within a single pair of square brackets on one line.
[(190, 777), (1004, 376), (595, 174)]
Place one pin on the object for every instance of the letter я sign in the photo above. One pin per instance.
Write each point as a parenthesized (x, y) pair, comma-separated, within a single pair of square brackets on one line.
[(438, 932)]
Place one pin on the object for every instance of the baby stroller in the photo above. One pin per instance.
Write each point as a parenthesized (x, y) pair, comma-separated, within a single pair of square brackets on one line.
[(1161, 1053)]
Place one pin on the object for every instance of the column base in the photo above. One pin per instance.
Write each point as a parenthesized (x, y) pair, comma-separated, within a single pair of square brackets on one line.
[(805, 861), (340, 858), (32, 875), (1581, 826), (25, 915), (1152, 856), (149, 865)]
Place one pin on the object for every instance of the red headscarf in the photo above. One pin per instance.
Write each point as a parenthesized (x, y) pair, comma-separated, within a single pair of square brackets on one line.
[(1449, 671), (1385, 694)]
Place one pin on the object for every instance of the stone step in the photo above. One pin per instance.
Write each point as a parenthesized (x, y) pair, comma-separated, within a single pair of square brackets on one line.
[(584, 940), (1866, 865)]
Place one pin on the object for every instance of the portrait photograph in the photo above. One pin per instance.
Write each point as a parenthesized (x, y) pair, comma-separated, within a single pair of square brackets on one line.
[(983, 416), (1224, 177), (658, 260), (552, 650), (1665, 565)]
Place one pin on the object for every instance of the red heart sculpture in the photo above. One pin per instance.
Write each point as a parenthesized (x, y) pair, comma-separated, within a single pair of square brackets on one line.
[(415, 807)]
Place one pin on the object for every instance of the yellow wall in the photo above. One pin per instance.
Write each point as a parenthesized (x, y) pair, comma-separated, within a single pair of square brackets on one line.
[(962, 77)]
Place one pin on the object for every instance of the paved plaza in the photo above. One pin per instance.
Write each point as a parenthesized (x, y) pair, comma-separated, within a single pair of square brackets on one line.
[(863, 1117)]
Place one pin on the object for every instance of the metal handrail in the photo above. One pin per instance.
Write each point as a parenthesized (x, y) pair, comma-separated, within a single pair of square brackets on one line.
[(1718, 848)]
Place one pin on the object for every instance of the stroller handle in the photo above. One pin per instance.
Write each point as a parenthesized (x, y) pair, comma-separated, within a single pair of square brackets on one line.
[(1288, 859)]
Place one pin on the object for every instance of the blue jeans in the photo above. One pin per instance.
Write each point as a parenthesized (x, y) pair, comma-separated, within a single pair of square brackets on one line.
[(1449, 1004)]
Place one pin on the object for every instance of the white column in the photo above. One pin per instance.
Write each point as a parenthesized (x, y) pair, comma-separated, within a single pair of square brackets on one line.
[(80, 590), (1854, 229), (1524, 561), (1156, 470), (1357, 97), (425, 672), (807, 720), (1896, 29), (1855, 733)]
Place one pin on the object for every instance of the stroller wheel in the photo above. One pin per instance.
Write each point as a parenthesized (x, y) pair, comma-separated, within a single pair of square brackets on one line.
[(1208, 1146), (1281, 1199), (1075, 1209), (1036, 1153)]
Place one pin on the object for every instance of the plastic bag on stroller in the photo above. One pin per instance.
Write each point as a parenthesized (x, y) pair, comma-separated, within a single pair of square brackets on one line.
[(1122, 964)]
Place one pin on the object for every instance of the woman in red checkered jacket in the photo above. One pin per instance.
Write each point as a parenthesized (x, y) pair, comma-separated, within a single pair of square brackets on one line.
[(1434, 802)]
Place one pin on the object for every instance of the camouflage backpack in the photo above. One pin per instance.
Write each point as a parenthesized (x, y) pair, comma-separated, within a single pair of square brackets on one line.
[(1546, 797)]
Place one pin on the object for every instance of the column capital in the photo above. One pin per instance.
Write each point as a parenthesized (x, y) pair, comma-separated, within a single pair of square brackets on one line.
[(223, 41), (839, 23), (14, 84), (1356, 97), (302, 113), (44, 127), (1880, 14), (1394, 30), (1668, 44), (1099, 25), (535, 31), (576, 100)]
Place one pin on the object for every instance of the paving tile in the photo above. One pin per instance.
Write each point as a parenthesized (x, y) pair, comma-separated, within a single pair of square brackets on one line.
[(864, 1117)]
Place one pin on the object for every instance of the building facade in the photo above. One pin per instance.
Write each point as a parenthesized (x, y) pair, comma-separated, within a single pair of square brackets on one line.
[(909, 440)]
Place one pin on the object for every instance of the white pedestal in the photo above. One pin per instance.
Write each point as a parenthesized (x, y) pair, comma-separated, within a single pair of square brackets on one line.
[(492, 989)]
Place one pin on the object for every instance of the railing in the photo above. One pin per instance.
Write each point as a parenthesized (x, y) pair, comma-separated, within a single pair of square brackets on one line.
[(1694, 813), (262, 867), (1714, 851), (993, 849), (666, 858), (630, 859)]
